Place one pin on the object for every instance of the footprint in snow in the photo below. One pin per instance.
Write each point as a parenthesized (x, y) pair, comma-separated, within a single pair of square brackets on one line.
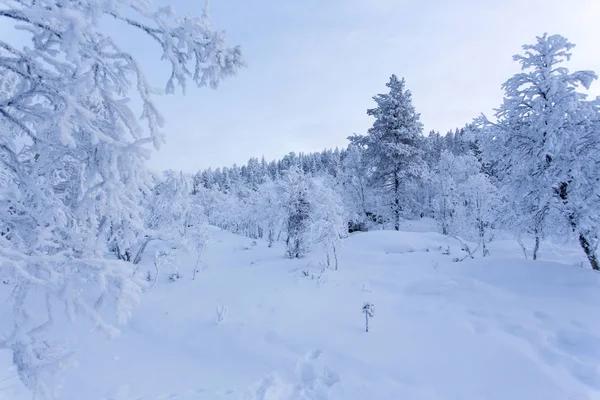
[(576, 351), (310, 380)]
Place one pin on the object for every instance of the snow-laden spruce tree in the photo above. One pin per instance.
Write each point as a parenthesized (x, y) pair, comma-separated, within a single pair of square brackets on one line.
[(72, 155), (549, 134), (393, 147)]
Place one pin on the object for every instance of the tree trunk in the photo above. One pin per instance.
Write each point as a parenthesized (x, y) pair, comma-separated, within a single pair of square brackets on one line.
[(271, 237), (196, 268), (522, 247), (536, 248), (396, 202), (288, 249), (481, 226), (124, 256), (335, 257), (583, 240), (484, 249), (589, 252)]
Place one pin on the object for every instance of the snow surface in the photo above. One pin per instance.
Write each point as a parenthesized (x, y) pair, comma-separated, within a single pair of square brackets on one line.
[(500, 328)]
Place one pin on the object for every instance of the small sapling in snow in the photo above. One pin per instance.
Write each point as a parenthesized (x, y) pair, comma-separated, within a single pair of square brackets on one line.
[(369, 310), (161, 258)]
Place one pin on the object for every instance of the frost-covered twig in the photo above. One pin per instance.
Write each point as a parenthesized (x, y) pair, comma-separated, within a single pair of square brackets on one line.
[(466, 248)]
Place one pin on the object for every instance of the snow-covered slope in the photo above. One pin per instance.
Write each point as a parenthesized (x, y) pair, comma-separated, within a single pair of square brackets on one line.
[(500, 328)]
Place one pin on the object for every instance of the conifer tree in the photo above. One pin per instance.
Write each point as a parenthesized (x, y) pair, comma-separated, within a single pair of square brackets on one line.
[(393, 146)]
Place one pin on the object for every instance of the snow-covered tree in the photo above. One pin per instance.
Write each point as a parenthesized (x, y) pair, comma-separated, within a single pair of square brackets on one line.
[(354, 186), (270, 210), (547, 134), (250, 216), (478, 208), (393, 147), (294, 189), (72, 155), (328, 220), (465, 201), (451, 174), (170, 206), (174, 215)]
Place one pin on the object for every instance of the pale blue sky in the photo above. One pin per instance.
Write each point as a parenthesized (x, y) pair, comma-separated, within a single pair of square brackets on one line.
[(313, 67)]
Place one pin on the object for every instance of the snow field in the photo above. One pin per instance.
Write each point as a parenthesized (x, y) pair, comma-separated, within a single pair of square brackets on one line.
[(256, 326)]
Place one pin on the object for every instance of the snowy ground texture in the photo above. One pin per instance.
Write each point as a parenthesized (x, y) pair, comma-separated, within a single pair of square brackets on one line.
[(500, 328)]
